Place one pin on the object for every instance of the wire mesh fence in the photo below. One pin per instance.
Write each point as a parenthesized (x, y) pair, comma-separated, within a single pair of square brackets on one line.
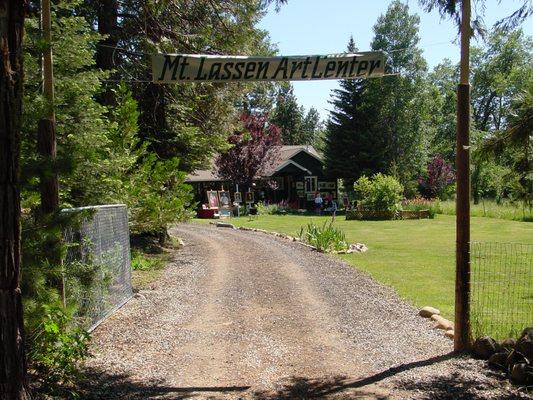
[(97, 263), (502, 290)]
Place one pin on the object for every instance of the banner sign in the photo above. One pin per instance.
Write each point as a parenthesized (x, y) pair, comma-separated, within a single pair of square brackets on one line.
[(169, 68)]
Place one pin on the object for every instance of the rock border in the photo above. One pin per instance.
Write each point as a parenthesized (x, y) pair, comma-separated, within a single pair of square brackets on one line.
[(353, 248), (440, 322), (513, 357)]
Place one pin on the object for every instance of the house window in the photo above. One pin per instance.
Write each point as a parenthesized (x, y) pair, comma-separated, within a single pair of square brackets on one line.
[(310, 184)]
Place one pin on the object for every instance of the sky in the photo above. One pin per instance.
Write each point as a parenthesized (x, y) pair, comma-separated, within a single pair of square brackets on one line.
[(308, 27)]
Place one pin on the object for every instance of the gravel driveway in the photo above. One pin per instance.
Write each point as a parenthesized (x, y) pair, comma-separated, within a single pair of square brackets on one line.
[(240, 314)]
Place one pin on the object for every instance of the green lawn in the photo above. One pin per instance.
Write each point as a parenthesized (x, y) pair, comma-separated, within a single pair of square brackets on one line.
[(415, 257)]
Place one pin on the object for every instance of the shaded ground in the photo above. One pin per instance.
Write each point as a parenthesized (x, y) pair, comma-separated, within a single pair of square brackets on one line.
[(245, 315)]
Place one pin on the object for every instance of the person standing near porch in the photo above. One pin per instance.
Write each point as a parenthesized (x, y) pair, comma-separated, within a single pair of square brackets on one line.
[(331, 206), (318, 203)]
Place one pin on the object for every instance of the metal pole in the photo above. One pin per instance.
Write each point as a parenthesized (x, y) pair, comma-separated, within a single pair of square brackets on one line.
[(462, 337)]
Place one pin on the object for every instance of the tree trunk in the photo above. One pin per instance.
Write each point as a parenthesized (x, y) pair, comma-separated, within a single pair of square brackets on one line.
[(48, 182), (13, 383), (105, 53)]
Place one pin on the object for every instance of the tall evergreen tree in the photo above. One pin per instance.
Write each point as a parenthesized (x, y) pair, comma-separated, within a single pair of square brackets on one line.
[(287, 115), (351, 149), (399, 104), (311, 127)]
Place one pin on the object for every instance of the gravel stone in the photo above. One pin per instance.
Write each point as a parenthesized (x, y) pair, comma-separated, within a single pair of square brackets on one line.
[(245, 315)]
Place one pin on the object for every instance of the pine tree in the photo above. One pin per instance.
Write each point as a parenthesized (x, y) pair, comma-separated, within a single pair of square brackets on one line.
[(351, 150), (288, 116), (311, 127), (399, 104)]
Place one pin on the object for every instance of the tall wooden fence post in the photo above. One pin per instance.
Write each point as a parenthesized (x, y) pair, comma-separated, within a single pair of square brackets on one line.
[(462, 276)]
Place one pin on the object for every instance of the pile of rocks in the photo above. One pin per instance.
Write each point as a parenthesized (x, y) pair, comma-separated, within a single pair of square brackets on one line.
[(357, 248), (514, 357), (440, 322)]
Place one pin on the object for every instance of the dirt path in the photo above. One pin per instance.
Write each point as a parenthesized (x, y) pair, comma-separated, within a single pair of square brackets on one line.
[(245, 315)]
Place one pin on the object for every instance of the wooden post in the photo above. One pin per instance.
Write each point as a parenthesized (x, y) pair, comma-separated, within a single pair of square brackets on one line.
[(462, 337), (48, 71), (46, 137), (46, 146)]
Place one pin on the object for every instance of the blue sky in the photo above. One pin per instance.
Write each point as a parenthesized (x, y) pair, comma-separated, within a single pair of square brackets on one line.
[(324, 27)]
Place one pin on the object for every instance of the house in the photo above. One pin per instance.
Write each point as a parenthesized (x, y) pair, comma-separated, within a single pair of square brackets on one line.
[(293, 175)]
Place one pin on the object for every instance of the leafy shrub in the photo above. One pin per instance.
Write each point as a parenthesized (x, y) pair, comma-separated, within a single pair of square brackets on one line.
[(158, 197), (281, 208), (326, 238), (380, 193), (267, 209), (55, 350)]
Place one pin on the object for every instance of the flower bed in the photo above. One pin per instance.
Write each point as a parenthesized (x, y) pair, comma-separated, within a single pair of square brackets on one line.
[(386, 215)]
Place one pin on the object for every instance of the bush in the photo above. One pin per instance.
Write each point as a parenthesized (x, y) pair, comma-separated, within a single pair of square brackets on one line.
[(326, 238), (267, 209), (158, 197), (381, 193), (56, 350)]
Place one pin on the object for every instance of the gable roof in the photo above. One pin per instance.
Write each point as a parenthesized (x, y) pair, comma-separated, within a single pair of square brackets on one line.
[(278, 162), (204, 175), (284, 155)]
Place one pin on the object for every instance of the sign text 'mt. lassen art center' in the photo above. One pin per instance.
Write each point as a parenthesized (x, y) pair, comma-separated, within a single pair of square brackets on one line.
[(168, 68)]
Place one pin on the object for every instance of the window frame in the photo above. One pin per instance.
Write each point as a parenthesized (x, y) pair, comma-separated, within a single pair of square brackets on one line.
[(314, 183)]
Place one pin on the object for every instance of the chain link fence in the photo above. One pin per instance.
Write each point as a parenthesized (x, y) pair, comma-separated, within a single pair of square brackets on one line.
[(502, 290), (97, 264)]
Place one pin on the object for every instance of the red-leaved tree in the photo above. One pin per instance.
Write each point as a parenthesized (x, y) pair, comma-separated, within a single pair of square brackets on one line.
[(251, 150), (439, 176)]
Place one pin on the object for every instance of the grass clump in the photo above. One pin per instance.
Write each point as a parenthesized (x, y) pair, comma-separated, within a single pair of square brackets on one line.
[(148, 263), (421, 204), (492, 209), (326, 238), (143, 262)]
